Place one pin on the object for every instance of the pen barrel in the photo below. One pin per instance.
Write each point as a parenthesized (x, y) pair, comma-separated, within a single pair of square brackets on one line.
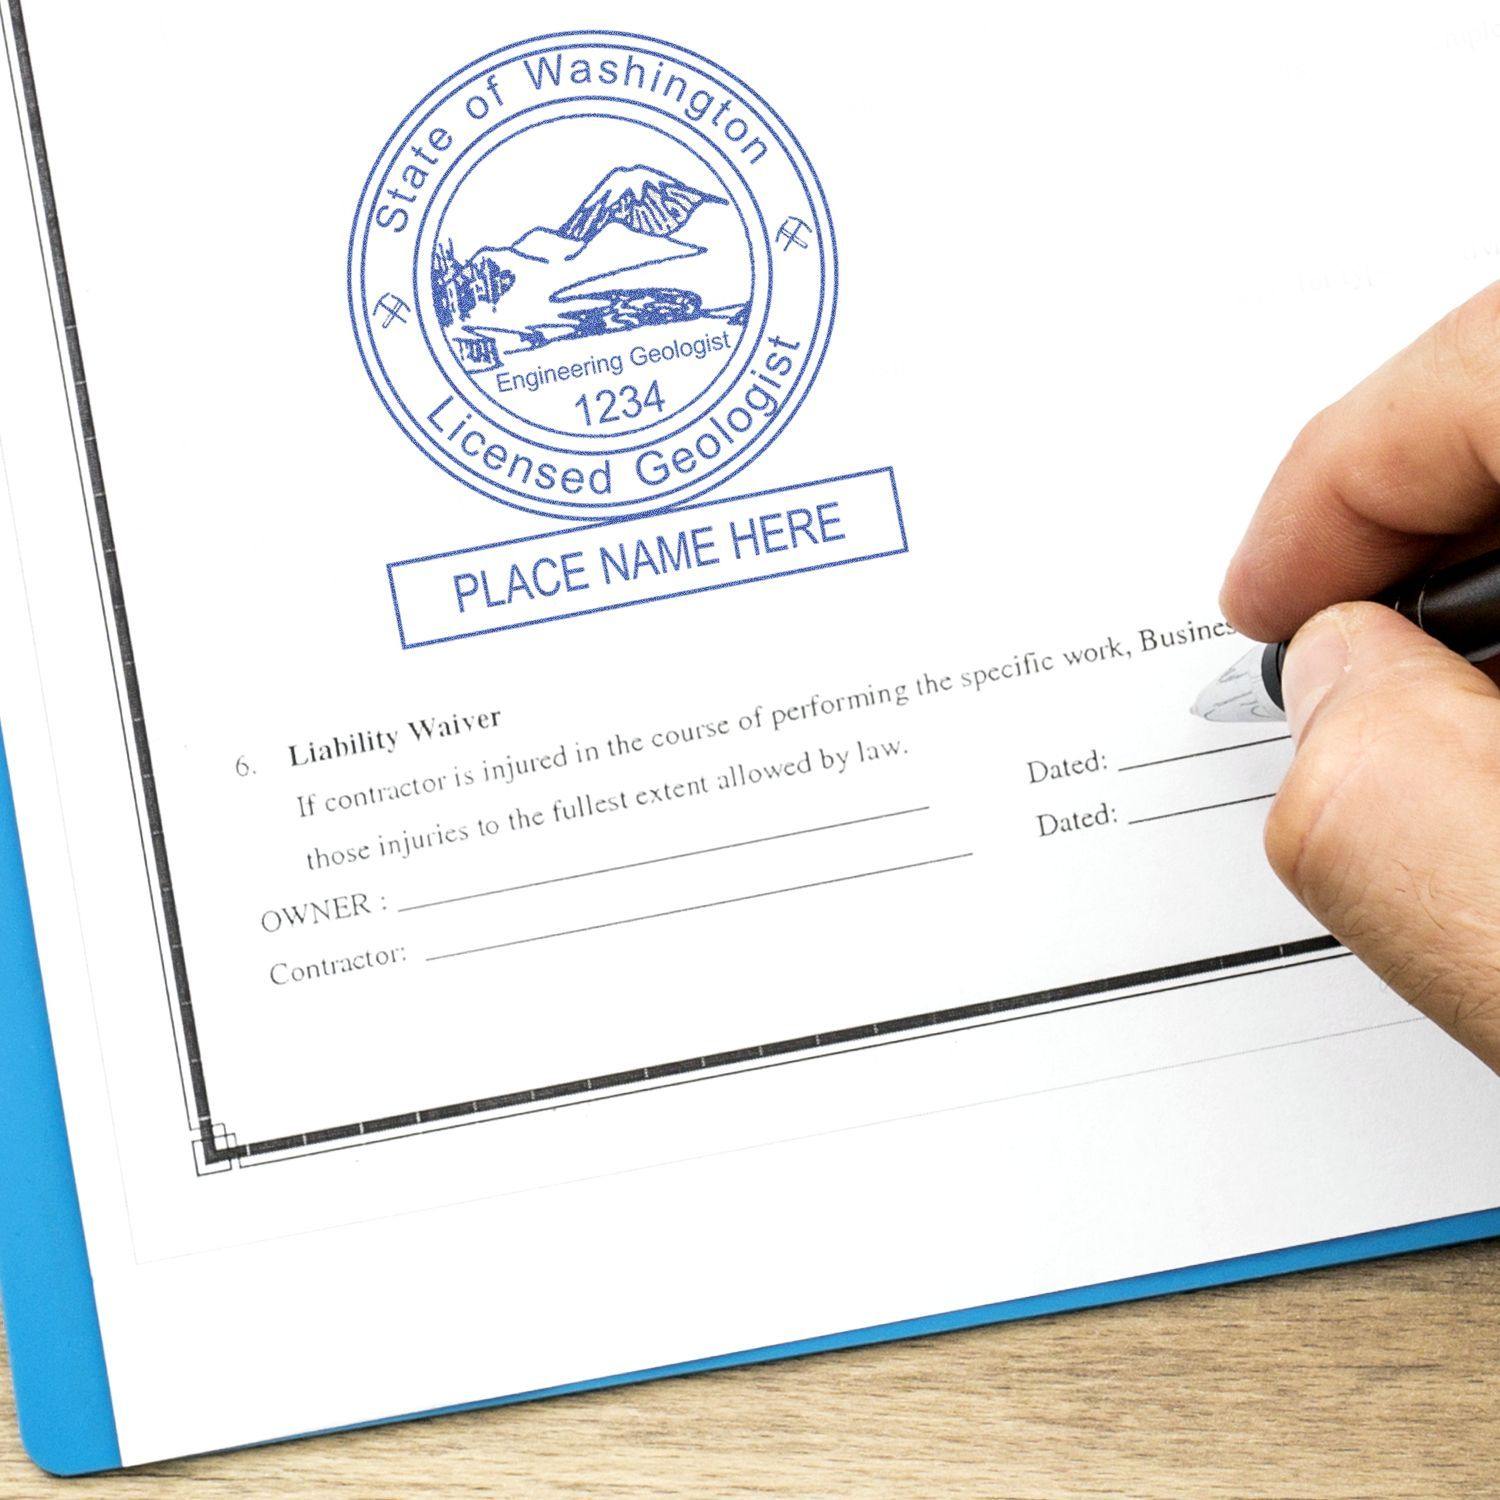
[(1459, 606)]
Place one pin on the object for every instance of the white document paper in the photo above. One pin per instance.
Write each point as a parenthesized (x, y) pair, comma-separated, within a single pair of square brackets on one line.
[(600, 626)]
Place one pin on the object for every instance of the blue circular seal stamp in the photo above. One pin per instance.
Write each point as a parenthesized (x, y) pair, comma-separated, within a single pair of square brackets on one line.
[(592, 274)]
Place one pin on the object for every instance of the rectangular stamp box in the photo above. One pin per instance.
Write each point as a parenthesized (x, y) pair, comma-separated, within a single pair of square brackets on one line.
[(582, 570)]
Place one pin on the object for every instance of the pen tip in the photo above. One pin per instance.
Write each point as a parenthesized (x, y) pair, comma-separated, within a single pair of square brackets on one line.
[(1238, 695)]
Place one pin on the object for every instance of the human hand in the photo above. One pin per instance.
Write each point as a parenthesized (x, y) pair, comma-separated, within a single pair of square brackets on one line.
[(1387, 827)]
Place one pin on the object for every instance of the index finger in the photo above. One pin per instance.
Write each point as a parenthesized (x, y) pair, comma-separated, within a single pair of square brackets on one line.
[(1374, 483)]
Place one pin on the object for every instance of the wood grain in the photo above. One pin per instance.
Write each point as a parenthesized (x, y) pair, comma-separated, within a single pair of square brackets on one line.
[(1380, 1379)]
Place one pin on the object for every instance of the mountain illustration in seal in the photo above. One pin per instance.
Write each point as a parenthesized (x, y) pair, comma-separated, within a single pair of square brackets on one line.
[(616, 263), (641, 199)]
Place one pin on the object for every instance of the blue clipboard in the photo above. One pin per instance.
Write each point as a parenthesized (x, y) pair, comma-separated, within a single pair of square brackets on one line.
[(57, 1352)]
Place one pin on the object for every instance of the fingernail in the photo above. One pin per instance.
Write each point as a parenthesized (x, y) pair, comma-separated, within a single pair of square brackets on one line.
[(1317, 657)]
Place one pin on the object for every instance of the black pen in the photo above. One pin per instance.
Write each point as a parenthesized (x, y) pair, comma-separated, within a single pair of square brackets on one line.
[(1459, 606)]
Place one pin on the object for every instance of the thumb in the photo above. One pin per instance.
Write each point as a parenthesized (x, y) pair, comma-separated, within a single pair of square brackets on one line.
[(1387, 827)]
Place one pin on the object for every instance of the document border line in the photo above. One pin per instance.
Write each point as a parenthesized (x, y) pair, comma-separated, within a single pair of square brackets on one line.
[(117, 629), (837, 1043)]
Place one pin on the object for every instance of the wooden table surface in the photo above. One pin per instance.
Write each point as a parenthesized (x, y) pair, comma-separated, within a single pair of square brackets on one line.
[(1378, 1379)]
